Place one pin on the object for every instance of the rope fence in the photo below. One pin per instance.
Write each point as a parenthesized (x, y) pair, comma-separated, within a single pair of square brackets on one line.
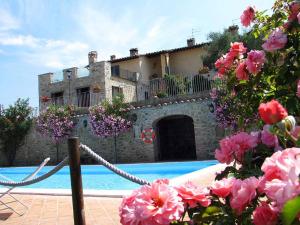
[(65, 162)]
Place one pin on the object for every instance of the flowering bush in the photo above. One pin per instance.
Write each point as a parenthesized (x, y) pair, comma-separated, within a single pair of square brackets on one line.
[(259, 75), (107, 119), (55, 122), (255, 189), (261, 184)]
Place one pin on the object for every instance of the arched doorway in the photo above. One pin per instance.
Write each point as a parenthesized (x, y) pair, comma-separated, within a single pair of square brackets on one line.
[(175, 138)]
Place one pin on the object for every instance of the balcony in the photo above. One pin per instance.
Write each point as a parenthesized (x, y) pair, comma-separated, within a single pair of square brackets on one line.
[(116, 71), (172, 86)]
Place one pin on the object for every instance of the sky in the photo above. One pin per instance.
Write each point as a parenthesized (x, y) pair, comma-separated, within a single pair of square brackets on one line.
[(40, 36)]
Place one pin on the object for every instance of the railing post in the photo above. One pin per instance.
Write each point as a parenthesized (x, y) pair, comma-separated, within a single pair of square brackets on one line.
[(76, 182)]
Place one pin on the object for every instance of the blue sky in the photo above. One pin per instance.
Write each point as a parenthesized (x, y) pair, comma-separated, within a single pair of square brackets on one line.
[(40, 36)]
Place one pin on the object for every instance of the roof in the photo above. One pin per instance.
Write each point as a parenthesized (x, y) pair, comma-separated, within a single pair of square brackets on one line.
[(152, 54)]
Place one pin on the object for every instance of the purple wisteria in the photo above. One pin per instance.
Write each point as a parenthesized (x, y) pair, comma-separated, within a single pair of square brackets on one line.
[(56, 123), (107, 125)]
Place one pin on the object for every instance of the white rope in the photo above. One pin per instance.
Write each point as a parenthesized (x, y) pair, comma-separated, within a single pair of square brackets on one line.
[(111, 167), (37, 179)]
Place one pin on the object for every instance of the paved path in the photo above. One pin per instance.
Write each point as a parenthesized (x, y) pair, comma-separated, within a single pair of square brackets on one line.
[(57, 210)]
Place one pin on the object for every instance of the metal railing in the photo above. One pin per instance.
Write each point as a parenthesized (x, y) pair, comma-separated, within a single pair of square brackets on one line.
[(125, 74), (83, 99), (171, 86)]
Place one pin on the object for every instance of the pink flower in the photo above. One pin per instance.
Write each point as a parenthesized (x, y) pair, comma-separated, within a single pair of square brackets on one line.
[(298, 17), (222, 188), (224, 63), (255, 61), (298, 89), (193, 195), (277, 40), (153, 204), (237, 49), (268, 138), (281, 175), (248, 16), (294, 10), (234, 147), (127, 210), (243, 191), (241, 72), (265, 214), (272, 112)]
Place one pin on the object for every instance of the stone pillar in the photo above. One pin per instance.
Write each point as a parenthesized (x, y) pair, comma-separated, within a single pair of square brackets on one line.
[(44, 81)]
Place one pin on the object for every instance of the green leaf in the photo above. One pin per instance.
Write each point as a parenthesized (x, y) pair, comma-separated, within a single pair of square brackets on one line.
[(290, 211)]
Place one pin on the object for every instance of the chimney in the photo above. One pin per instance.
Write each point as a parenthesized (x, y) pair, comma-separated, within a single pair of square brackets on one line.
[(234, 29), (112, 57), (190, 42), (92, 57), (134, 52)]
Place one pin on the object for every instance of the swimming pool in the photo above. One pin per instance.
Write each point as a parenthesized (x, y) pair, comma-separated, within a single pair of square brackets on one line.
[(97, 177)]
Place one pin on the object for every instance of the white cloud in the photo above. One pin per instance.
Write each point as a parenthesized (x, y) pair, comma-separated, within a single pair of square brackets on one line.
[(58, 54), (51, 53), (18, 40), (7, 21)]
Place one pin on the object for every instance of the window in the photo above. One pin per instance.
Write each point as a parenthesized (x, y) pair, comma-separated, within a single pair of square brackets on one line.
[(116, 91), (57, 98), (115, 70), (83, 97), (146, 95)]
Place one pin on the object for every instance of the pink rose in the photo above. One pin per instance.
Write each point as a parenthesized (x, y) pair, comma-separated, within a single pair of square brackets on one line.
[(127, 210), (294, 11), (243, 191), (222, 188), (281, 175), (241, 72), (265, 214), (153, 204), (272, 112), (255, 61), (248, 16), (234, 147), (237, 49), (268, 138), (193, 195), (224, 63), (277, 40)]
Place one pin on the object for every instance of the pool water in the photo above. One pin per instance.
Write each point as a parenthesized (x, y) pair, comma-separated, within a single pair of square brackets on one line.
[(99, 178)]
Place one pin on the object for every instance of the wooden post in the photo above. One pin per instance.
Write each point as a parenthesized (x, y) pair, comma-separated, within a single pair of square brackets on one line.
[(76, 182)]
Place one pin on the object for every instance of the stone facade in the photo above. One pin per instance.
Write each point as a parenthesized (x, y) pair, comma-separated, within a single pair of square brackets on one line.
[(99, 75), (130, 147)]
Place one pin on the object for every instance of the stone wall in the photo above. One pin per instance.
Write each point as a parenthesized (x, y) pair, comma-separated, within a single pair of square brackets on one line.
[(130, 147)]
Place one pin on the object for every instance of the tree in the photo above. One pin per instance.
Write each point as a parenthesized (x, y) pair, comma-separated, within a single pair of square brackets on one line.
[(15, 122), (109, 119), (219, 43), (56, 122)]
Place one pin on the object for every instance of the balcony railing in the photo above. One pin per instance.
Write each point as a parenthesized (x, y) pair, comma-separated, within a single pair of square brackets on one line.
[(83, 99), (58, 100), (124, 74), (171, 86)]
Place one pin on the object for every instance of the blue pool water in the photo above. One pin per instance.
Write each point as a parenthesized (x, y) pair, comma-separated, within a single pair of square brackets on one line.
[(99, 178)]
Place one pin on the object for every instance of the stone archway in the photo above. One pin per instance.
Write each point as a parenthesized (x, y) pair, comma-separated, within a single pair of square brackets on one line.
[(175, 138)]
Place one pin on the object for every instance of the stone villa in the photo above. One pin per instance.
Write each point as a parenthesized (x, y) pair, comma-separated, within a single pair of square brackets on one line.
[(139, 76), (178, 108)]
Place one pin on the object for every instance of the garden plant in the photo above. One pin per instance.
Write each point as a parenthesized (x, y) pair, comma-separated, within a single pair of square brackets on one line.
[(109, 119), (259, 101), (15, 122), (57, 123)]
